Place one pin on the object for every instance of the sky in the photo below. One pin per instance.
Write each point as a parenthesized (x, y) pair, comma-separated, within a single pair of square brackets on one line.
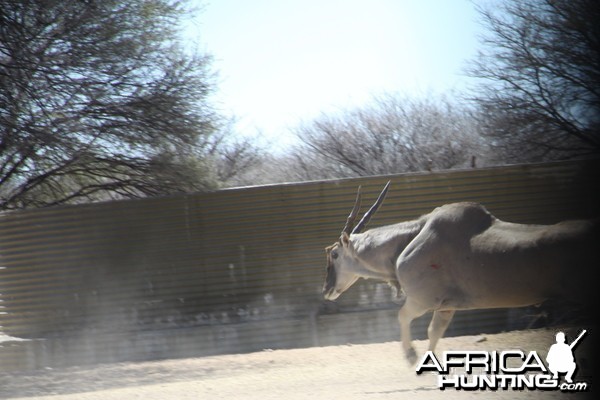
[(280, 63)]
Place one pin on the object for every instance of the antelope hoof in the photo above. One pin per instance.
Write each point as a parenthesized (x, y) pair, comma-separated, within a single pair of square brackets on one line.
[(411, 356)]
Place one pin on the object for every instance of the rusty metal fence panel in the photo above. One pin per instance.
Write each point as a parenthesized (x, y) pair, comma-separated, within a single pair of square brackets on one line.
[(234, 270)]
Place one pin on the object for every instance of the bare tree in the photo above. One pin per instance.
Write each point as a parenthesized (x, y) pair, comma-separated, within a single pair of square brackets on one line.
[(394, 134), (98, 100), (540, 77), (237, 160)]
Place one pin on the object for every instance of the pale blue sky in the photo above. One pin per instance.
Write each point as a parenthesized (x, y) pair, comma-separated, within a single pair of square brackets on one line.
[(281, 62)]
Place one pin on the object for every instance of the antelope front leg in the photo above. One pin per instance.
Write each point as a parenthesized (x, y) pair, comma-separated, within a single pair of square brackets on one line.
[(407, 313), (437, 326)]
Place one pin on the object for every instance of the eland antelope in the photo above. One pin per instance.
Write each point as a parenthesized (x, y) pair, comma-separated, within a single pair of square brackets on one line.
[(460, 257)]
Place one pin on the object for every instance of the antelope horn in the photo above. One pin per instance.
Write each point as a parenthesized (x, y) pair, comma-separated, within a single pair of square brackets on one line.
[(353, 214), (367, 217)]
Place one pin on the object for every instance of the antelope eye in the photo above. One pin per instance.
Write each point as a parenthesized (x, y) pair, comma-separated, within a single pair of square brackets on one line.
[(334, 255)]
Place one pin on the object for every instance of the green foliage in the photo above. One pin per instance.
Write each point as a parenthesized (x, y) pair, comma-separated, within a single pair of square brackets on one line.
[(98, 100)]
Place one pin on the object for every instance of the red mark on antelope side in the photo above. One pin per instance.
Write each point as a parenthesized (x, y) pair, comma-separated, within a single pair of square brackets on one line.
[(435, 266)]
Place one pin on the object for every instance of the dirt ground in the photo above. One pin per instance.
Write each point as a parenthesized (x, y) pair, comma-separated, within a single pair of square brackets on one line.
[(372, 371)]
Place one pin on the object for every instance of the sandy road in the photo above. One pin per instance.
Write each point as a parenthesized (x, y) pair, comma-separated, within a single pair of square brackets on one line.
[(373, 371)]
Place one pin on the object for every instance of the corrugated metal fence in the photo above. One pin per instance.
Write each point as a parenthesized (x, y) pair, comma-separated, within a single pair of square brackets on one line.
[(234, 270)]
